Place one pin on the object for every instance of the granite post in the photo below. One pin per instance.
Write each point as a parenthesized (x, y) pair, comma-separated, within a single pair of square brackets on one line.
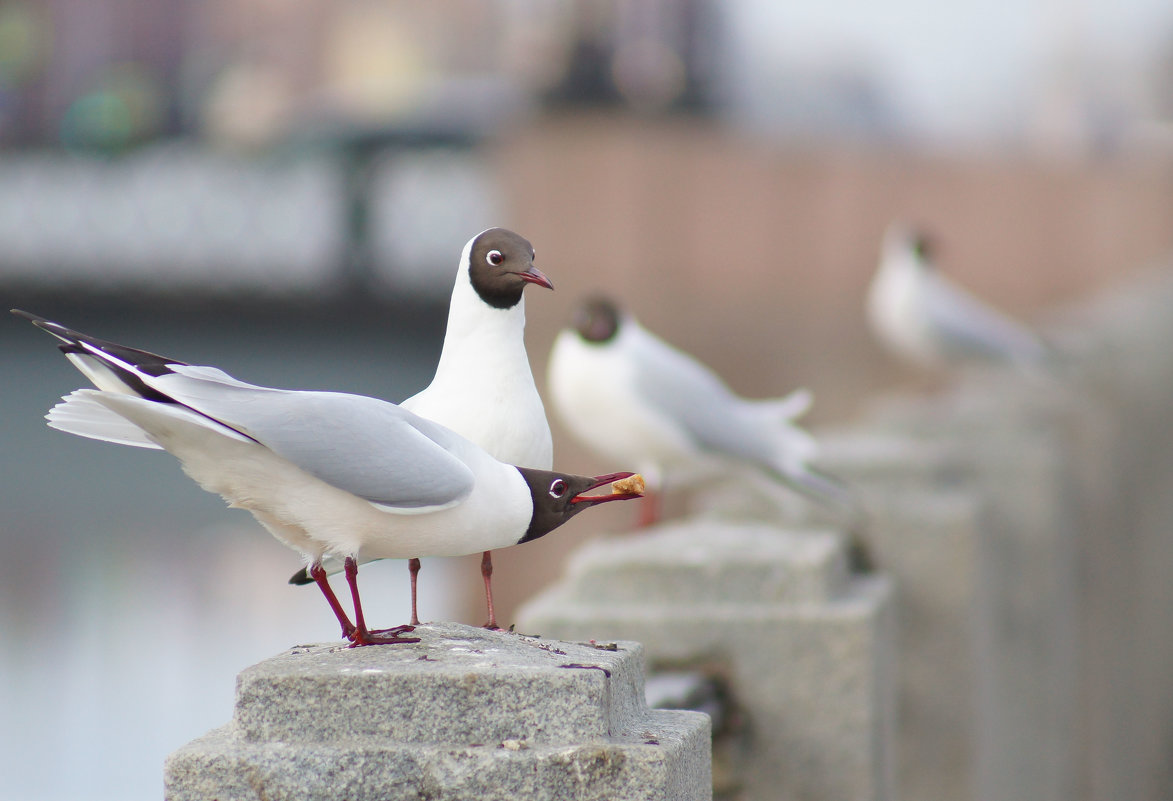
[(806, 649), (466, 714), (921, 525)]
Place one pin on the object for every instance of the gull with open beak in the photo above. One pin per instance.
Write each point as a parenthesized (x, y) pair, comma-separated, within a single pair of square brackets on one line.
[(331, 475)]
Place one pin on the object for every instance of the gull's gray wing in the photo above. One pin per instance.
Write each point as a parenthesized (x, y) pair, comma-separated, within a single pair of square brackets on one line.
[(968, 327), (718, 420), (366, 446), (699, 402)]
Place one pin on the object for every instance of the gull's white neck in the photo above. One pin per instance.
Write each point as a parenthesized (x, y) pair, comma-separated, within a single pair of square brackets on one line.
[(479, 336), (483, 388)]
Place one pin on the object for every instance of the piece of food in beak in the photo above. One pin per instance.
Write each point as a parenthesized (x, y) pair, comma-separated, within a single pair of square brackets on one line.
[(632, 485)]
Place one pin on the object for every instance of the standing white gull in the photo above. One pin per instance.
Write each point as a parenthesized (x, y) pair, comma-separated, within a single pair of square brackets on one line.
[(330, 475), (923, 317), (625, 393), (483, 388)]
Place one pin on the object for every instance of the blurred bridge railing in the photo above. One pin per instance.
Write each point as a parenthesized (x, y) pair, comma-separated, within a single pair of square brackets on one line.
[(383, 213)]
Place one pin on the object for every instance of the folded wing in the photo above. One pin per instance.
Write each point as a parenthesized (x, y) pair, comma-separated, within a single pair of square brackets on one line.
[(368, 447)]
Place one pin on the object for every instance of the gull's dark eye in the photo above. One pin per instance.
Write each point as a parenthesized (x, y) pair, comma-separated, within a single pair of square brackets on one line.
[(557, 488), (495, 258)]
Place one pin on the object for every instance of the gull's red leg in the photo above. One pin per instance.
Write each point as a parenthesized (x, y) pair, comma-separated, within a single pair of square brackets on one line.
[(487, 574), (318, 574), (362, 635), (413, 567)]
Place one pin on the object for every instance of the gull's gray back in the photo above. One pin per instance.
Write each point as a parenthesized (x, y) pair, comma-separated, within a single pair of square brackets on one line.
[(363, 445), (701, 404)]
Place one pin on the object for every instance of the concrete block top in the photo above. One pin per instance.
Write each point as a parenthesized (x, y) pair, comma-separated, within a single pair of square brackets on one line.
[(459, 685), (885, 459), (980, 405), (709, 561)]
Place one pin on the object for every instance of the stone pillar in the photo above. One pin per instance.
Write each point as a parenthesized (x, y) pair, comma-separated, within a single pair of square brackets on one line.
[(921, 526), (1121, 340), (1029, 614), (464, 714), (807, 650)]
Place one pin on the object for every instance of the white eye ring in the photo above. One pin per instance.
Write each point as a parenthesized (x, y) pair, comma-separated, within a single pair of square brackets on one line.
[(495, 257), (557, 488)]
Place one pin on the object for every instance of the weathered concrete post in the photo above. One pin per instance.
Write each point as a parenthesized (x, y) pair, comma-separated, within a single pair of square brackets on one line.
[(807, 649), (1027, 617), (466, 714), (922, 526), (1122, 361)]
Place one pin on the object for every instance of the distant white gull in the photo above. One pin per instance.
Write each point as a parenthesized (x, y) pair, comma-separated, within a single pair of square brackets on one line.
[(627, 394), (926, 319)]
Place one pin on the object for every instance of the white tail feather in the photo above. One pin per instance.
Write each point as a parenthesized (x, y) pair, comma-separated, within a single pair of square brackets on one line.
[(78, 413), (99, 373), (789, 408), (143, 414)]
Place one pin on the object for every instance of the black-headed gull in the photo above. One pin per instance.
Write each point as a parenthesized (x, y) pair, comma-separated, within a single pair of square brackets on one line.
[(483, 388), (328, 474), (923, 317), (625, 393)]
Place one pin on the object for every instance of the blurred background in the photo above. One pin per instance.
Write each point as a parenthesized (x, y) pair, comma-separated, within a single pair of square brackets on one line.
[(283, 188)]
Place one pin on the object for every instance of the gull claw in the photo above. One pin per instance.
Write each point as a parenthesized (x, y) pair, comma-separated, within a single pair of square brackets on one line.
[(382, 636)]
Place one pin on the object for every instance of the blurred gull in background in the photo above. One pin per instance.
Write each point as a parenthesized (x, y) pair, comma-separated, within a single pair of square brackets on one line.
[(628, 395), (923, 317)]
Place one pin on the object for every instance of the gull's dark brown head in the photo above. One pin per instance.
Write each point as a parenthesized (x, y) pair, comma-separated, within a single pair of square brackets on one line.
[(500, 265), (557, 497), (924, 246), (597, 320)]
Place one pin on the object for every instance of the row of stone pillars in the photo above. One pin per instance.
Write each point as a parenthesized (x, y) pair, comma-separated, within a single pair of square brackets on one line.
[(995, 648)]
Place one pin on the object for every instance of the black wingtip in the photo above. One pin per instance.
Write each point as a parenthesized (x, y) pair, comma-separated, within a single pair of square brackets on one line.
[(33, 318), (301, 577), (47, 325), (43, 323)]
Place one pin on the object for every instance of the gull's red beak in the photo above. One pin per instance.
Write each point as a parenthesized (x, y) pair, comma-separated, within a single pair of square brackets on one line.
[(600, 481), (535, 276)]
